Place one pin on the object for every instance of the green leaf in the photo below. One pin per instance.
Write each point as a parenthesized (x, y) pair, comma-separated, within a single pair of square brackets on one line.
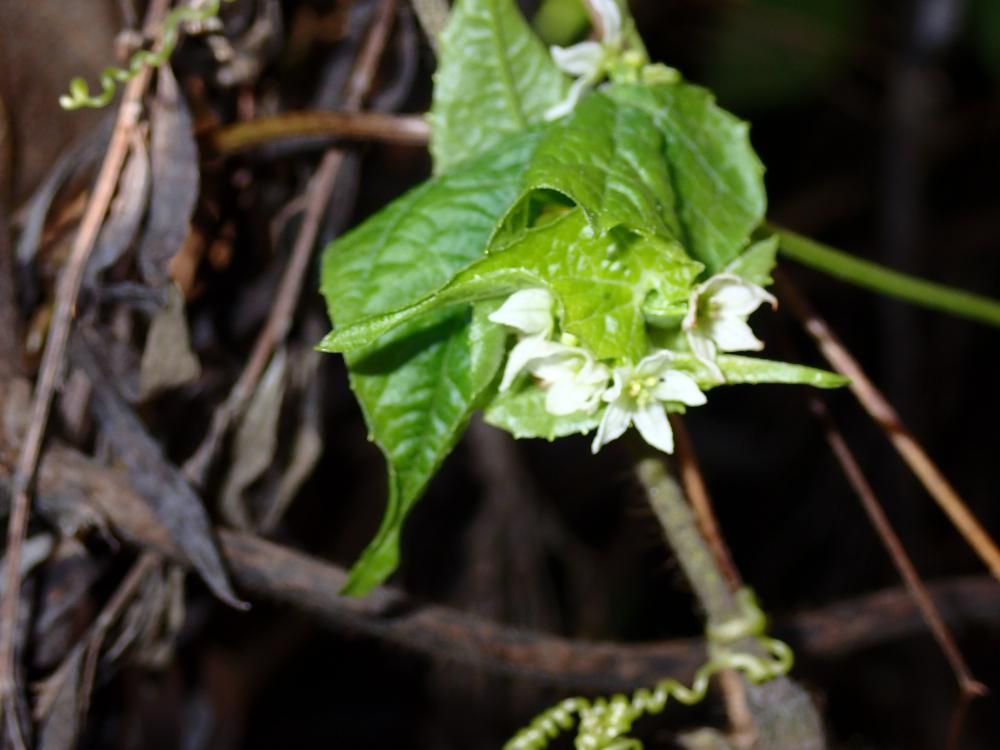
[(610, 160), (600, 281), (755, 265), (521, 412), (417, 393), (494, 78), (418, 387), (717, 178), (752, 371)]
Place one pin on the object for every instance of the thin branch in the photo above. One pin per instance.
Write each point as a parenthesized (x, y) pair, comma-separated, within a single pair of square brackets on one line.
[(271, 571), (730, 682), (90, 643), (701, 502), (886, 281), (53, 360), (907, 571), (886, 417), (411, 130), (432, 15), (279, 320)]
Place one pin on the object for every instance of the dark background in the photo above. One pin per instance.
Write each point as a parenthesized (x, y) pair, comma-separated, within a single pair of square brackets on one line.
[(879, 124)]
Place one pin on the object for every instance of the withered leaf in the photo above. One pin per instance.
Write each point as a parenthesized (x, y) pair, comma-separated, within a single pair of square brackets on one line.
[(174, 156), (256, 440), (126, 211), (156, 480), (167, 360)]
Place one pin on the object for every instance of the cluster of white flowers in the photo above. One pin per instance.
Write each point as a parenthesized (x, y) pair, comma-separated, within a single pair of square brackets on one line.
[(574, 381)]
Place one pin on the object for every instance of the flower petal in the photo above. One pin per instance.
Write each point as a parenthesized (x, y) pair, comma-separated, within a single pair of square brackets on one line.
[(580, 85), (733, 334), (615, 421), (704, 350), (680, 387), (654, 364), (735, 296), (611, 19), (528, 311), (652, 423), (617, 385), (570, 396), (583, 59), (525, 352)]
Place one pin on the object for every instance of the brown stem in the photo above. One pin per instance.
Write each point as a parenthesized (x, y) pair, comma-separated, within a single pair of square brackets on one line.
[(701, 502), (886, 417), (270, 571), (52, 363), (279, 320), (411, 130), (907, 571)]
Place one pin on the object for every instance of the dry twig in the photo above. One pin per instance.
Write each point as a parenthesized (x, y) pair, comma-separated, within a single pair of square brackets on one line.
[(279, 320), (52, 364), (968, 685), (886, 417), (411, 130)]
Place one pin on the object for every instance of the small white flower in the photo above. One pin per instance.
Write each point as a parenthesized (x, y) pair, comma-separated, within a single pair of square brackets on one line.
[(637, 396), (573, 381), (529, 311), (572, 378), (588, 61), (716, 319)]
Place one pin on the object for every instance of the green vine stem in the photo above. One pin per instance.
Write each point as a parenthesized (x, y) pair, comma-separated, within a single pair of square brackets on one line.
[(736, 634), (880, 279), (79, 95)]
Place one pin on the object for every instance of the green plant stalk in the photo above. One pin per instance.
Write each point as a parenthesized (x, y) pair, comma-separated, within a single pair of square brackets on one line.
[(869, 275)]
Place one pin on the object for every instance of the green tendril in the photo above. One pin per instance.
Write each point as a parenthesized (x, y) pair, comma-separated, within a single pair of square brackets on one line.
[(79, 95), (604, 723)]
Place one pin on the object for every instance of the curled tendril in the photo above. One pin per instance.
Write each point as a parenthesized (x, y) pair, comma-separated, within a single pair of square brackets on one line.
[(79, 95), (604, 723)]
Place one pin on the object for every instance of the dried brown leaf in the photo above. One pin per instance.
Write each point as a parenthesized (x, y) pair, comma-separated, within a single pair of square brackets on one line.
[(126, 212), (256, 440), (174, 156), (167, 361), (156, 480)]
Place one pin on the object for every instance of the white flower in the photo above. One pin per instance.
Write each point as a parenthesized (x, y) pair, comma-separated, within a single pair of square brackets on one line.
[(588, 61), (637, 396), (573, 381), (716, 319), (572, 378), (529, 312)]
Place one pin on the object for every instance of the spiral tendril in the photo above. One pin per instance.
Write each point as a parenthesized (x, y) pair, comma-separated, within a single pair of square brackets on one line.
[(604, 723), (79, 95)]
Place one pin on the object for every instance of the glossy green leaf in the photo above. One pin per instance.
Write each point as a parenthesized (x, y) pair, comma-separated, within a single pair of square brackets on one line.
[(757, 262), (494, 78), (600, 281), (717, 178), (609, 159), (418, 387), (417, 393)]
